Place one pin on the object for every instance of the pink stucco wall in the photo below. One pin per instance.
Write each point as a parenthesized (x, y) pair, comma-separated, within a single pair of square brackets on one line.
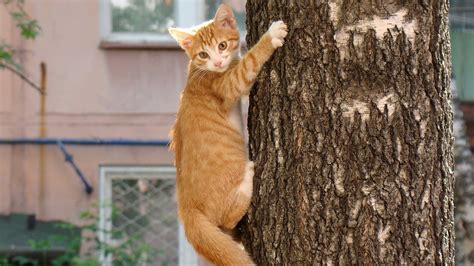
[(91, 93)]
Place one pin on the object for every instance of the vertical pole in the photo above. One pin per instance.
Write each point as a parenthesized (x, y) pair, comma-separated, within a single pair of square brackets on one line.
[(42, 134)]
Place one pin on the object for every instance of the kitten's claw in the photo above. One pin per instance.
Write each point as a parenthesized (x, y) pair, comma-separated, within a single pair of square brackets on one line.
[(278, 31)]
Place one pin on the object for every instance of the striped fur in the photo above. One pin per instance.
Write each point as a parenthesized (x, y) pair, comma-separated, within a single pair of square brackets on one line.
[(214, 176)]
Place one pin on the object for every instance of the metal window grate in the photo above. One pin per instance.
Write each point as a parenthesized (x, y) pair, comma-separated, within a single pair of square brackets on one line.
[(138, 205)]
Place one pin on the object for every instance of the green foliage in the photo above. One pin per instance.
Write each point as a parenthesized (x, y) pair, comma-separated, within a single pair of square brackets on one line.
[(4, 262), (6, 55), (125, 250), (29, 29), (25, 261)]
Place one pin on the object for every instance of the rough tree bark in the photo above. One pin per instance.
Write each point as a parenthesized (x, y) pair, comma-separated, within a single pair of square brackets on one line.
[(351, 130)]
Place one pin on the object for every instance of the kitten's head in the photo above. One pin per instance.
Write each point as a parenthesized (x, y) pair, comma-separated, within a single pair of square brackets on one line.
[(212, 45)]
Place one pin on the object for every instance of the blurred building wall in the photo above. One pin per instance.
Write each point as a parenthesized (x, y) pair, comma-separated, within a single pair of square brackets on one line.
[(91, 93)]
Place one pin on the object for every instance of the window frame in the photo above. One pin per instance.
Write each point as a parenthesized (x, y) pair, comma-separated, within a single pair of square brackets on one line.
[(185, 17), (186, 253)]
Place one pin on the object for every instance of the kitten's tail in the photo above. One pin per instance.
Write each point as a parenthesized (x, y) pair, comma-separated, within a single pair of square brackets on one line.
[(212, 243)]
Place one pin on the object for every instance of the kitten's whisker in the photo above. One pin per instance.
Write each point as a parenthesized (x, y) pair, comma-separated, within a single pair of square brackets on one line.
[(198, 75), (196, 72)]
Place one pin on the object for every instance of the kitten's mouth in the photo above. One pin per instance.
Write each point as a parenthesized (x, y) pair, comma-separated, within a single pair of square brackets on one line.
[(220, 69)]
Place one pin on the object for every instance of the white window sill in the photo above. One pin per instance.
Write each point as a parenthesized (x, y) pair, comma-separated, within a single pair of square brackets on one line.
[(138, 41), (147, 42)]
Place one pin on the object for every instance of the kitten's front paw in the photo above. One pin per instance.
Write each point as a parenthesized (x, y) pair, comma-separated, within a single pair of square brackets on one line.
[(278, 31)]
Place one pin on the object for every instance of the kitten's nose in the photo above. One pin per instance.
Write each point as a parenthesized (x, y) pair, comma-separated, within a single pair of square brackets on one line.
[(218, 63)]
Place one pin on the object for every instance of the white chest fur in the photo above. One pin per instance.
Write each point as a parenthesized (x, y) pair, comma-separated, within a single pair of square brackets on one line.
[(235, 117)]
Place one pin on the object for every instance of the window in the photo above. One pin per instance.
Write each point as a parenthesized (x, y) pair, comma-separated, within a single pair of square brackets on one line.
[(138, 202), (147, 21), (462, 15), (462, 44)]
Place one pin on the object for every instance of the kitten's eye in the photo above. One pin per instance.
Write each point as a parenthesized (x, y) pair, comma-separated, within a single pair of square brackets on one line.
[(222, 45), (203, 55)]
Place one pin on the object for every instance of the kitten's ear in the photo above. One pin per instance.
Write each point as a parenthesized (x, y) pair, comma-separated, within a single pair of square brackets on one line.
[(183, 37), (225, 18)]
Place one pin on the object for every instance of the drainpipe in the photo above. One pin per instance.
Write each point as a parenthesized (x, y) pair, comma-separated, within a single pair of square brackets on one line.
[(42, 133)]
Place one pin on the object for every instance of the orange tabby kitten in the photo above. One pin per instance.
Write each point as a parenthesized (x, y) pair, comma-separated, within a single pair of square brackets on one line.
[(214, 176)]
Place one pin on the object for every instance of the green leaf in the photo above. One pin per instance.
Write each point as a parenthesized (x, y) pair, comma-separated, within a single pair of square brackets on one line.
[(87, 215), (4, 262), (29, 29), (85, 262), (25, 261), (40, 244), (65, 226), (17, 15)]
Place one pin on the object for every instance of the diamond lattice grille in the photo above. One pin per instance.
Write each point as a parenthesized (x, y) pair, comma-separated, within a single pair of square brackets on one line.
[(145, 209)]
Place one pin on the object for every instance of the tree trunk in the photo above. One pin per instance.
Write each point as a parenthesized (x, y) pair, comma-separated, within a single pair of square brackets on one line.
[(350, 128)]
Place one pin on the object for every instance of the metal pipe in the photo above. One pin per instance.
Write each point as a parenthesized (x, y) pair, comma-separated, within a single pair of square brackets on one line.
[(42, 134), (70, 159), (61, 142), (86, 142)]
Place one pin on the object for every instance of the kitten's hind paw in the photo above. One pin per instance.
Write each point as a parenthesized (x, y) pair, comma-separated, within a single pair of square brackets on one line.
[(278, 31)]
